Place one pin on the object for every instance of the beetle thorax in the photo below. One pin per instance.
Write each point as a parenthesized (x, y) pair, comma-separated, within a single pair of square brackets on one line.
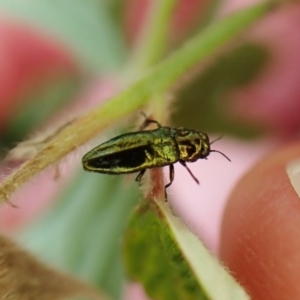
[(192, 145)]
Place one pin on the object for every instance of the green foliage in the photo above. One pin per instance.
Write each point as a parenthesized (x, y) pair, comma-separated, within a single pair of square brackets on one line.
[(171, 263), (209, 91), (87, 27), (81, 233), (153, 258)]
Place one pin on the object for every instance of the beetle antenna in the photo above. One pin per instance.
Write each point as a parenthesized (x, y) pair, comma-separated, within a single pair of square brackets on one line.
[(217, 139), (221, 154)]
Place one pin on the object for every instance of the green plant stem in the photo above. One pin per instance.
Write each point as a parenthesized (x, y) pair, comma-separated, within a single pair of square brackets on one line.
[(156, 82), (152, 41)]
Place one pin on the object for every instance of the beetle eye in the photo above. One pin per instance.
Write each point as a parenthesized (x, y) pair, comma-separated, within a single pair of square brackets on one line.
[(204, 152)]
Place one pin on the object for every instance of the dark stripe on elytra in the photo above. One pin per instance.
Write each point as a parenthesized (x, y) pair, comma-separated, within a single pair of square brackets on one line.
[(128, 158)]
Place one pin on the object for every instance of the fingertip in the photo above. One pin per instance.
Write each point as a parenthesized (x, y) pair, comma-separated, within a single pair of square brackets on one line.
[(260, 240)]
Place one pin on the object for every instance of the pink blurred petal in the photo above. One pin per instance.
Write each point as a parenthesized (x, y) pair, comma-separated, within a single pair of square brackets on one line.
[(135, 12), (134, 291), (273, 99), (27, 60)]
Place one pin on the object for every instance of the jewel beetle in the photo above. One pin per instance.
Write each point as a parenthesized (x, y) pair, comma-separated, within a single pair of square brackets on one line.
[(145, 149)]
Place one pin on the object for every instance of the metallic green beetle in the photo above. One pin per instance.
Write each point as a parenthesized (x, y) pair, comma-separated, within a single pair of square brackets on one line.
[(137, 151)]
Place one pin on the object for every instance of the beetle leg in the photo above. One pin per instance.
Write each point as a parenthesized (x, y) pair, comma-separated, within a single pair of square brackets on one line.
[(193, 176), (147, 122), (140, 175), (171, 174)]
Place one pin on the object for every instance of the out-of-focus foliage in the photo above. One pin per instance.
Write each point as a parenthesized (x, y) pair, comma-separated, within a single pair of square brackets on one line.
[(88, 28), (210, 92)]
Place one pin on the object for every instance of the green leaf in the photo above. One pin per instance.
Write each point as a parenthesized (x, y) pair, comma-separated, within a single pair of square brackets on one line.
[(86, 27), (81, 233), (170, 261)]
